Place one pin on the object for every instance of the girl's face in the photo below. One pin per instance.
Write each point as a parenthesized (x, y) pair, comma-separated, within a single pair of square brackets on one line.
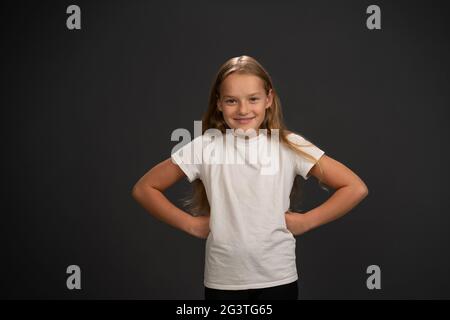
[(243, 101)]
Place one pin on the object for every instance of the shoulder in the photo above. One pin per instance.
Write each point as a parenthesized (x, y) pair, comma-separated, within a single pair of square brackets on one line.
[(298, 139), (200, 142), (203, 139), (302, 143)]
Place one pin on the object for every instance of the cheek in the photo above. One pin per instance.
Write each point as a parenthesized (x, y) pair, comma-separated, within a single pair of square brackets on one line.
[(227, 113), (262, 112)]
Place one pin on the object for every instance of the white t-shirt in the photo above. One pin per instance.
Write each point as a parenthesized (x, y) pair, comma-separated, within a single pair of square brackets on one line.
[(248, 246)]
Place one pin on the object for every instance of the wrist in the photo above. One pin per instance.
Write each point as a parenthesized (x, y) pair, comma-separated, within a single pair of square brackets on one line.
[(187, 223), (310, 221)]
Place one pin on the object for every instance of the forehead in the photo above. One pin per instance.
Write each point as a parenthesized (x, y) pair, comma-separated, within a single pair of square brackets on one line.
[(241, 84)]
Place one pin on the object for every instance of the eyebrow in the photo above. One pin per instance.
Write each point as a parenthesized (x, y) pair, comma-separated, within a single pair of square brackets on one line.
[(252, 94)]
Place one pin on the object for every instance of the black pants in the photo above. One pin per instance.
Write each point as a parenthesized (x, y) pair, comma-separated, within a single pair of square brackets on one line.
[(283, 292)]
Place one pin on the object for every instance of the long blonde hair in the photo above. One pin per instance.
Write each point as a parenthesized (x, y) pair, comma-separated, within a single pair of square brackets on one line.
[(197, 202)]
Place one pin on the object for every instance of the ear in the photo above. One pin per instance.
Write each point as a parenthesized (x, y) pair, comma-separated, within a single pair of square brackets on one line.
[(269, 98), (218, 106)]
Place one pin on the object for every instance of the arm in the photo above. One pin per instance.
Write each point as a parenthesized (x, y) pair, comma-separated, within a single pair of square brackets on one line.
[(350, 190), (148, 192)]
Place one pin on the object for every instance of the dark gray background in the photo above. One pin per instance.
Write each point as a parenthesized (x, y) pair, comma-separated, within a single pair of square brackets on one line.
[(86, 113)]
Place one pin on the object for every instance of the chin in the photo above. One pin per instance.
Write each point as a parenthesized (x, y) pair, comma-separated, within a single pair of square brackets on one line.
[(245, 128)]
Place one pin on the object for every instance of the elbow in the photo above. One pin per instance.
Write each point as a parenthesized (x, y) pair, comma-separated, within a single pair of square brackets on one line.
[(136, 191), (364, 191), (141, 190), (359, 190)]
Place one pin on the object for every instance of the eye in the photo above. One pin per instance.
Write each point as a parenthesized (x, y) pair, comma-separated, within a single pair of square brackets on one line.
[(229, 101), (254, 99)]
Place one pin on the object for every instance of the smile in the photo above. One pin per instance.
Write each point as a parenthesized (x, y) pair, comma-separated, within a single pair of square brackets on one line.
[(244, 120)]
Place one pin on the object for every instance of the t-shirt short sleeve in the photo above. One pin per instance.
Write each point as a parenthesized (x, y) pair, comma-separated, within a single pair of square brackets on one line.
[(189, 157), (302, 164)]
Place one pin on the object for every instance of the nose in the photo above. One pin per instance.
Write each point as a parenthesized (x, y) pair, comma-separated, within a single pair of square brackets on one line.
[(243, 109)]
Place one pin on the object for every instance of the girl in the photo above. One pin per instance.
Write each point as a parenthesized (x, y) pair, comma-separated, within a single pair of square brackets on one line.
[(242, 212)]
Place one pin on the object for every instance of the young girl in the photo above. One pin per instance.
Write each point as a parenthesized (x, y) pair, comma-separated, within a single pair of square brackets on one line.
[(242, 207)]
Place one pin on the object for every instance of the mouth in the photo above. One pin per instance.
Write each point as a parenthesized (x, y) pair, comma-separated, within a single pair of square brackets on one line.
[(244, 120)]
